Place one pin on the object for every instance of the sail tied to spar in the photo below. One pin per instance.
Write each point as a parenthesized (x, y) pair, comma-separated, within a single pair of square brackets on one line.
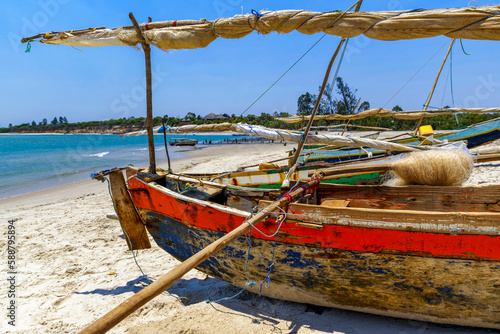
[(482, 23)]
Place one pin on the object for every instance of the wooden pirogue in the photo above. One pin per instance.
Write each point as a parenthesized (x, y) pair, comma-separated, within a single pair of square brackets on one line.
[(416, 252)]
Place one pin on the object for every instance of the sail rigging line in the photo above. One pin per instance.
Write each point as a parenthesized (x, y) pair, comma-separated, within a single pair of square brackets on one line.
[(414, 75), (451, 86), (445, 86), (462, 45), (338, 68), (331, 24), (392, 16), (470, 24), (300, 58), (277, 80), (434, 85), (288, 70), (323, 87)]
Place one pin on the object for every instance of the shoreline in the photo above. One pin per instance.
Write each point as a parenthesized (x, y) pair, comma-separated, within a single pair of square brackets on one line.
[(193, 161), (73, 266)]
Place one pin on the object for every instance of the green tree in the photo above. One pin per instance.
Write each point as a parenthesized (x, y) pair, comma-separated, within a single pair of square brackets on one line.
[(347, 101), (305, 104), (191, 116), (33, 123), (54, 121)]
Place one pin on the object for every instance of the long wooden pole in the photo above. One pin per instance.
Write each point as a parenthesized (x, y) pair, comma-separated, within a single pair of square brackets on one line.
[(165, 141), (321, 91), (352, 112), (318, 102), (434, 85), (149, 95), (126, 308)]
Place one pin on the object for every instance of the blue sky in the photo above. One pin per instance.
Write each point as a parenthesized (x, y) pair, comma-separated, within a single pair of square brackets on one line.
[(227, 76)]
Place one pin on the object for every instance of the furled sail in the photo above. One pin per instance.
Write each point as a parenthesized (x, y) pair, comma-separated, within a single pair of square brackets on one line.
[(294, 136), (408, 115), (481, 23)]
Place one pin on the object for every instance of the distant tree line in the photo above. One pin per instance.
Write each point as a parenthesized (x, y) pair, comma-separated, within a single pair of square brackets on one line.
[(343, 102), (346, 103)]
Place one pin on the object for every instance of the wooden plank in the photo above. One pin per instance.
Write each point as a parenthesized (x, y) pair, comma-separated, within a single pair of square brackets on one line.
[(487, 157), (131, 223), (428, 198), (405, 220), (335, 203)]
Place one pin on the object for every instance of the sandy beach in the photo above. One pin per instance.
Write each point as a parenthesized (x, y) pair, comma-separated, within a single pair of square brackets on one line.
[(73, 266)]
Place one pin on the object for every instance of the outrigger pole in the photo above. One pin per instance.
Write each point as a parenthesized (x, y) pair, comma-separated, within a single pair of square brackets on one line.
[(149, 95)]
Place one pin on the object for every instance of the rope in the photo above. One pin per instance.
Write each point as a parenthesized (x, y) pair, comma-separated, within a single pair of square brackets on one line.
[(338, 67), (28, 46), (390, 17), (445, 86), (480, 20), (468, 54), (305, 53), (287, 18), (288, 70), (213, 28), (414, 75), (257, 15)]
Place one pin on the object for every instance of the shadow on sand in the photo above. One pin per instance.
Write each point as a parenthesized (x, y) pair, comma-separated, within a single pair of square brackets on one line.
[(232, 301)]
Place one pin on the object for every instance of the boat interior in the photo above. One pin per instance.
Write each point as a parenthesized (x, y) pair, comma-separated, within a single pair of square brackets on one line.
[(413, 197)]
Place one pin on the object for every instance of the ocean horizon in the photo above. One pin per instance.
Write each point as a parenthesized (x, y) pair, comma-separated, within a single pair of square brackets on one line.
[(32, 162)]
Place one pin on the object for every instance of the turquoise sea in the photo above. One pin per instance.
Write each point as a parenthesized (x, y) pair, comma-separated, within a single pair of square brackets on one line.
[(34, 162)]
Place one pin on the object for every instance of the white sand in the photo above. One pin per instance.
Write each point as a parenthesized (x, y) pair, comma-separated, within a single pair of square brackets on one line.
[(74, 267)]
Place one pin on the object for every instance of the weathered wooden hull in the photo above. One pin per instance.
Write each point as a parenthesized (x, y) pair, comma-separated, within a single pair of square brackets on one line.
[(475, 135), (354, 261)]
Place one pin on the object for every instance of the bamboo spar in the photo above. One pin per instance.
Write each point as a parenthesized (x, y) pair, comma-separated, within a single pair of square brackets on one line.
[(434, 86), (149, 95), (321, 91), (316, 106), (132, 304)]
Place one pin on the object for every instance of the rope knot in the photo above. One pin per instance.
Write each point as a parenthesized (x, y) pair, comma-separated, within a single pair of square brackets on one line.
[(256, 13)]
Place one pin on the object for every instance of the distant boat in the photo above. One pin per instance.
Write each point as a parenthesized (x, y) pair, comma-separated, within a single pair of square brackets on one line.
[(183, 142)]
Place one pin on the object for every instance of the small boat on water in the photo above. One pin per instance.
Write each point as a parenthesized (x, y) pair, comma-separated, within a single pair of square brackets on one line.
[(183, 142)]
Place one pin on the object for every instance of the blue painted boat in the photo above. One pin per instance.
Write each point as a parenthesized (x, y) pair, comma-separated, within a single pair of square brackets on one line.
[(475, 135)]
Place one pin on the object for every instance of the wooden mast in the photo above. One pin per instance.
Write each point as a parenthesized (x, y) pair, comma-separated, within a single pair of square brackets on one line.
[(320, 95), (149, 95), (434, 86)]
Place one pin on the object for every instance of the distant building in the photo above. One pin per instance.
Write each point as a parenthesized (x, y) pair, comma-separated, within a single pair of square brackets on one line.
[(184, 121), (212, 116)]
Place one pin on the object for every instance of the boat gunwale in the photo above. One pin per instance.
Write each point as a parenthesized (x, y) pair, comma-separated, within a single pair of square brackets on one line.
[(453, 230)]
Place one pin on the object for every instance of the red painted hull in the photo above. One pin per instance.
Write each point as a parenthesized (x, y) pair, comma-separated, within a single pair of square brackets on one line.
[(439, 277)]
